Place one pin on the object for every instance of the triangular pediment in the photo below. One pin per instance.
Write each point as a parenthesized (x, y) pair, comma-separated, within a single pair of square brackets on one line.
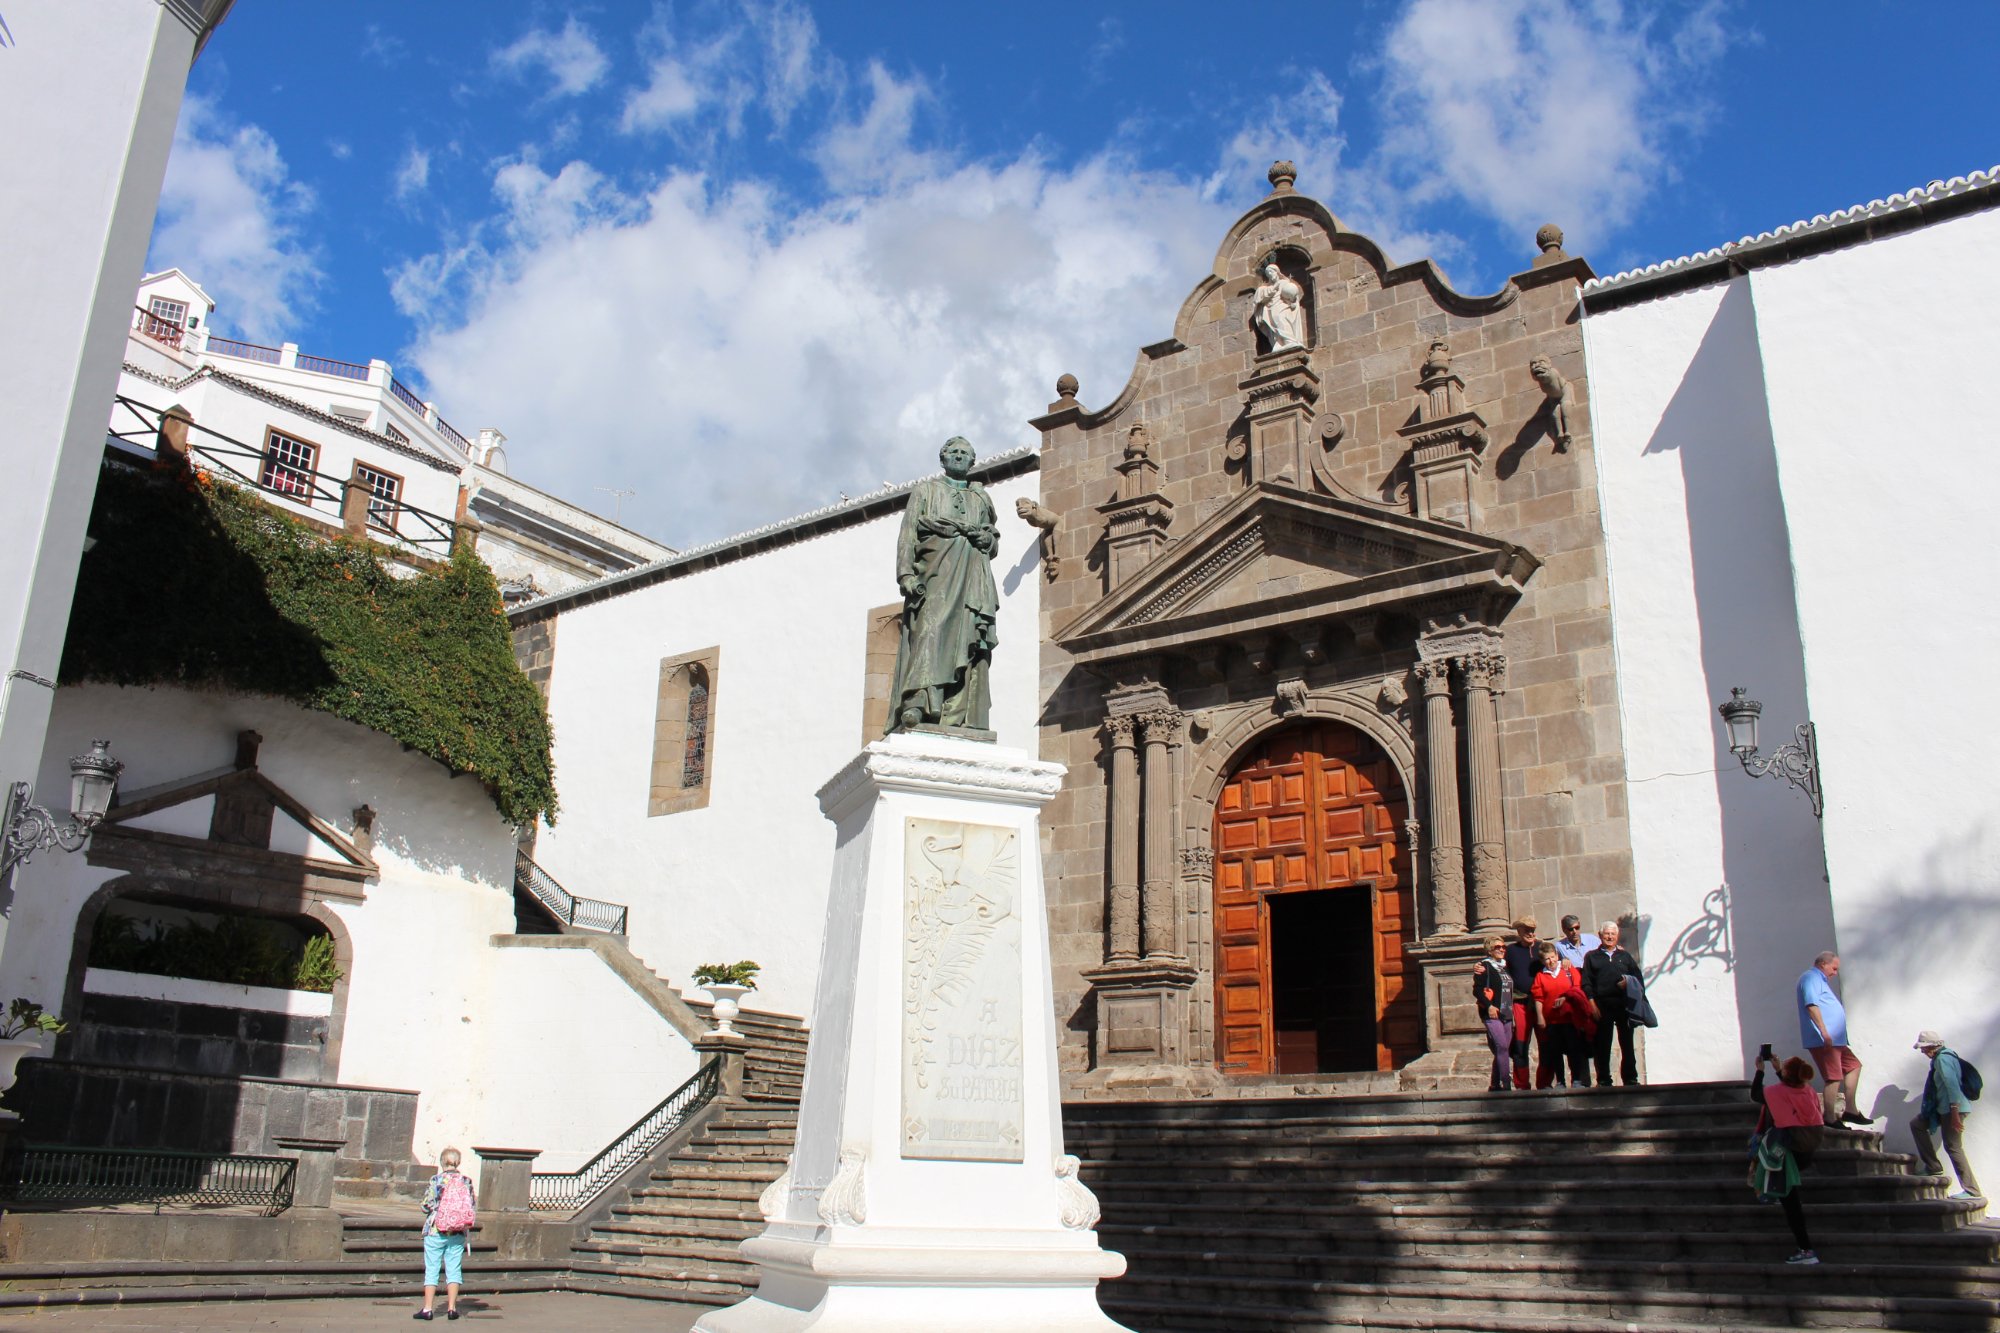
[(1276, 556), (237, 817)]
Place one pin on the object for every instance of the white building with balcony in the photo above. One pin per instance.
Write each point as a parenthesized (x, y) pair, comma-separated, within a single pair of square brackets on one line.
[(350, 445)]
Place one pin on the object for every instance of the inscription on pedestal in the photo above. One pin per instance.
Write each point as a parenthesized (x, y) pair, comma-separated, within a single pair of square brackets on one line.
[(962, 1017)]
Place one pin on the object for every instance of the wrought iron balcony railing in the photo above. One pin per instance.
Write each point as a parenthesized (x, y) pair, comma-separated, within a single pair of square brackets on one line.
[(35, 1173), (564, 906), (567, 1191), (139, 424)]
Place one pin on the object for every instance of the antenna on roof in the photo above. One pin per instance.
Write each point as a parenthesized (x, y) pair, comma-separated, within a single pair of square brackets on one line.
[(617, 494)]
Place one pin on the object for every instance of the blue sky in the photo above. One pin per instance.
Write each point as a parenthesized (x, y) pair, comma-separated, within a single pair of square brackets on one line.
[(743, 258)]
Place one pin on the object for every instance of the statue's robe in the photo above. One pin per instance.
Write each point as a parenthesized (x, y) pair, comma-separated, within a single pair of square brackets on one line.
[(946, 648)]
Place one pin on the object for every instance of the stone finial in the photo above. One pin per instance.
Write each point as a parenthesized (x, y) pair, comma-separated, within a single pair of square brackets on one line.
[(1438, 362), (1281, 176), (1549, 236), (1066, 387), (1138, 442)]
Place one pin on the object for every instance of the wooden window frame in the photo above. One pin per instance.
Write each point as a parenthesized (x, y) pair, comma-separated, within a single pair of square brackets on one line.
[(307, 492), (153, 304), (394, 501)]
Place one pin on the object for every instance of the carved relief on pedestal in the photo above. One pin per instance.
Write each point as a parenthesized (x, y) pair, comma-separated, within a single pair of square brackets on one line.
[(772, 1201), (1198, 863), (1489, 875), (845, 1202), (1075, 1204)]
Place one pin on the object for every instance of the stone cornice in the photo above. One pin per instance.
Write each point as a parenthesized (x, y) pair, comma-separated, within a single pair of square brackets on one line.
[(944, 767)]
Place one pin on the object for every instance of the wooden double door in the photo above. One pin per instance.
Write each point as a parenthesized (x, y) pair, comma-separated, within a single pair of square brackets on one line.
[(1313, 909)]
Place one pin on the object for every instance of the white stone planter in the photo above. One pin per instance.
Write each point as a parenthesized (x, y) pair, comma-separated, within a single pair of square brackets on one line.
[(12, 1051), (726, 999)]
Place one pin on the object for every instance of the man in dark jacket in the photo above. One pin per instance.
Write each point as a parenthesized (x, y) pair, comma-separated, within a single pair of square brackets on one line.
[(1604, 971), (1521, 969)]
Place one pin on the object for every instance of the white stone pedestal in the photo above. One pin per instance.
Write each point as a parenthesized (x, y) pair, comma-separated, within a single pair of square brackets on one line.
[(929, 1191)]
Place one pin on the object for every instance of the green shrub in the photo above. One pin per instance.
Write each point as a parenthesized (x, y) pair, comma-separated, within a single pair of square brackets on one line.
[(239, 950), (728, 974), (203, 584)]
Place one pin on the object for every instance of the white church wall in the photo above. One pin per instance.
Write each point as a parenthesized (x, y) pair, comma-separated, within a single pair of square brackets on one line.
[(512, 1046), (1701, 600), (1874, 355), (746, 876)]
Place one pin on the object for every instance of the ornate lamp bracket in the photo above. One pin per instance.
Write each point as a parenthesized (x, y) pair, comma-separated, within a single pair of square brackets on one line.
[(31, 828), (1797, 762)]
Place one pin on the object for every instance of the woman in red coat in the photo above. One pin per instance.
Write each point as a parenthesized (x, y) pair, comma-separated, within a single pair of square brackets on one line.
[(1564, 1024)]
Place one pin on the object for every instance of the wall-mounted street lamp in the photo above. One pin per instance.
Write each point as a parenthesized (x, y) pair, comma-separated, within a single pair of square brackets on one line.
[(1797, 763), (30, 828)]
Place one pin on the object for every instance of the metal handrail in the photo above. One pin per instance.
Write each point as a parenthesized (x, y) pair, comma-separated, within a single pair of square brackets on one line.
[(566, 907), (48, 1173), (567, 1191), (430, 530)]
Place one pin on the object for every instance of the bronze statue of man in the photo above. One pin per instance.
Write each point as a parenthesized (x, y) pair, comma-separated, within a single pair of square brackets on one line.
[(944, 566)]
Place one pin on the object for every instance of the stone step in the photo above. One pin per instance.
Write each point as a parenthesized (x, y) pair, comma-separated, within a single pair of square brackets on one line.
[(255, 1291), (1796, 1304), (1611, 1128), (1365, 1238), (706, 1206), (707, 1260), (1170, 1316), (680, 1168), (1758, 1271), (1159, 1184), (616, 1279), (1632, 1215), (1288, 1162), (264, 1273), (677, 1223)]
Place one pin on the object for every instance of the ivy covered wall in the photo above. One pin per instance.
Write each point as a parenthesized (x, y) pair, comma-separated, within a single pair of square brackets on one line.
[(198, 583)]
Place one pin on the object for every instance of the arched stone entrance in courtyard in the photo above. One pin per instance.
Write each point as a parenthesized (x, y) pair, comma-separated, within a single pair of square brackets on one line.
[(1313, 907)]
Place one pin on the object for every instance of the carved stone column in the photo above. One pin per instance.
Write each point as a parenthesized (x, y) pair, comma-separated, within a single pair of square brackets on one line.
[(1447, 863), (1158, 905), (1124, 835), (1490, 900)]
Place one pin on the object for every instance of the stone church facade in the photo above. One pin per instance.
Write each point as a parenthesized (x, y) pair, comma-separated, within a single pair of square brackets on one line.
[(1326, 647)]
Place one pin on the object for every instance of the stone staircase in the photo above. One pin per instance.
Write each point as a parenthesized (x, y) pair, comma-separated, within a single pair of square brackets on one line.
[(674, 1236), (1590, 1212)]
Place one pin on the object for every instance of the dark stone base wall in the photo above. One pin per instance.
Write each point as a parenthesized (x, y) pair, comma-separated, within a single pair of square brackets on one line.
[(104, 1106), (197, 1038)]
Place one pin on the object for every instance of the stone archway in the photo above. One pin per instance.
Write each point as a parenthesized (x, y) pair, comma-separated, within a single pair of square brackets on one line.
[(1313, 909)]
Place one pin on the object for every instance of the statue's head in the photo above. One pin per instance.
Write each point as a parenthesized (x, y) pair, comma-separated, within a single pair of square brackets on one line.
[(1023, 507), (1270, 272), (1543, 371), (957, 457)]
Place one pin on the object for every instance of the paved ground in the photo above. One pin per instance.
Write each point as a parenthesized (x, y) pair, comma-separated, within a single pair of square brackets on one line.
[(527, 1311)]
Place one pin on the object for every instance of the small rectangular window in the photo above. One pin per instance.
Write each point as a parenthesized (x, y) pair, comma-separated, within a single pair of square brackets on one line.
[(389, 429), (289, 465), (169, 312), (385, 493)]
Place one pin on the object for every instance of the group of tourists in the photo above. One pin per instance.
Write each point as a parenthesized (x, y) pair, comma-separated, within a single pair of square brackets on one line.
[(1792, 1125), (1563, 1001)]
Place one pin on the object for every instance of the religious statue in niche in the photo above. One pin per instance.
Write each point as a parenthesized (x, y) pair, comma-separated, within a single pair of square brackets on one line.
[(1556, 390), (1278, 310), (944, 567)]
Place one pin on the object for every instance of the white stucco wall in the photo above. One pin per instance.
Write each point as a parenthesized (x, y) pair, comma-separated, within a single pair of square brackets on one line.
[(509, 1047), (102, 84), (1872, 355), (747, 876), (1795, 502)]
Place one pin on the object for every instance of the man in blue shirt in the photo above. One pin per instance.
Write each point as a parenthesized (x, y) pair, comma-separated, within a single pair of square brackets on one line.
[(1945, 1107), (1576, 942), (1823, 1031)]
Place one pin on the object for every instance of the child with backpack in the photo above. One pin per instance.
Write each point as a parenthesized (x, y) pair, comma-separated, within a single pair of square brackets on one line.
[(449, 1217)]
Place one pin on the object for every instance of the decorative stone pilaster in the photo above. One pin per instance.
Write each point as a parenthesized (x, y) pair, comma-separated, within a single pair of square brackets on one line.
[(1447, 865), (1281, 395), (1159, 904), (1123, 925), (1135, 524), (1490, 900), (1446, 441)]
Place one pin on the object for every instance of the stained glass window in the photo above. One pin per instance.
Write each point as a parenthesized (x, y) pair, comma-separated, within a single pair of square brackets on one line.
[(694, 757)]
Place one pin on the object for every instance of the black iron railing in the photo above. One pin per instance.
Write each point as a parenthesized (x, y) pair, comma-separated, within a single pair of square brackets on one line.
[(567, 1191), (566, 907), (138, 423), (43, 1174)]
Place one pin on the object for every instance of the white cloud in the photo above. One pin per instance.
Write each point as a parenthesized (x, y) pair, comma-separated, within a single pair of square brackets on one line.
[(571, 59), (767, 55), (875, 148), (661, 342), (1538, 110), (340, 148), (231, 215), (413, 173)]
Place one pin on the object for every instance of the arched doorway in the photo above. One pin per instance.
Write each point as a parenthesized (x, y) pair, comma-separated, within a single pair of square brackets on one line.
[(1313, 908)]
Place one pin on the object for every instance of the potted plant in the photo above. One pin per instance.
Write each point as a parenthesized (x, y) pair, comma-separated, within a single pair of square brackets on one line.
[(727, 983), (21, 1034)]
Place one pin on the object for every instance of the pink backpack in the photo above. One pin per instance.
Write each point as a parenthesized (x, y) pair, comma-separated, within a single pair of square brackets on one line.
[(454, 1209)]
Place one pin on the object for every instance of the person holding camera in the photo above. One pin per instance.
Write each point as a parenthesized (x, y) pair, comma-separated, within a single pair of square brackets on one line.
[(1789, 1132)]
